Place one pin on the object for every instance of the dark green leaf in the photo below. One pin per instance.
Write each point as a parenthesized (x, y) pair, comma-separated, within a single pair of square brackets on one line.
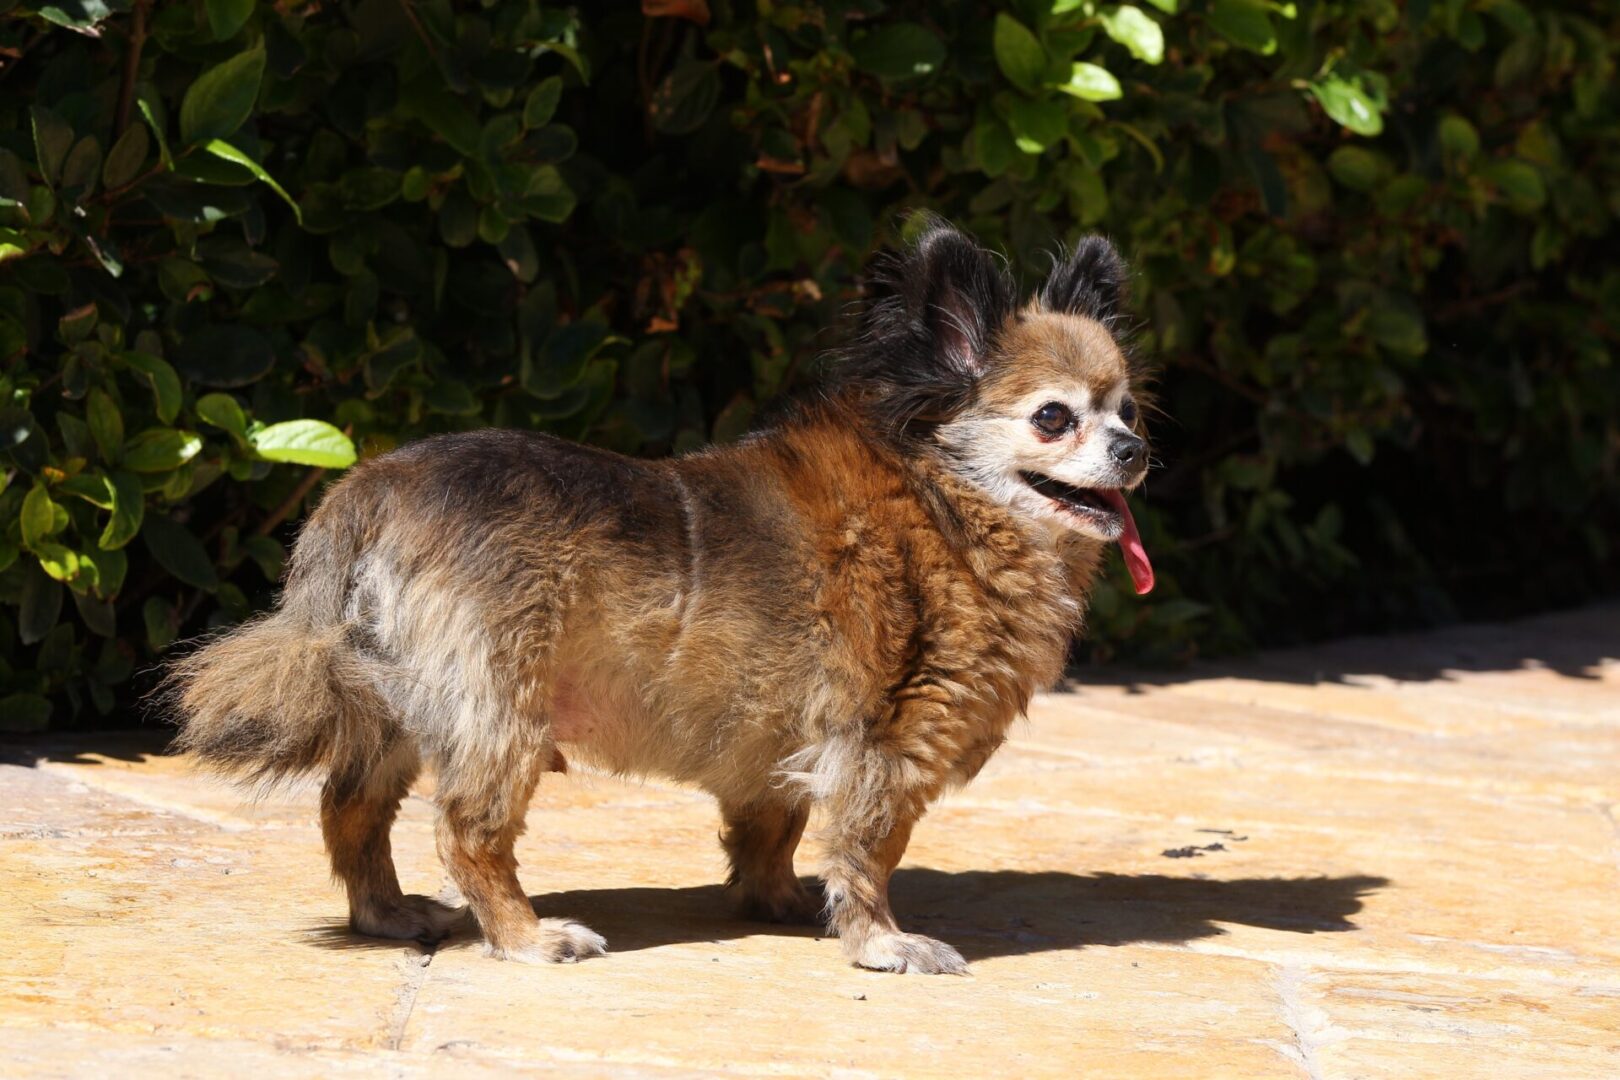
[(127, 156), (165, 384), (225, 354), (268, 553), (98, 615), (24, 712), (562, 361), (179, 552), (160, 449), (1358, 169), (1019, 53), (519, 254), (224, 412), (89, 486), (443, 113), (898, 51), (542, 101), (686, 97), (548, 197), (53, 138), (225, 17), (82, 169), (13, 181), (1521, 183), (106, 424), (128, 511), (222, 98), (1246, 23), (1037, 124), (368, 188), (39, 605), (162, 623)]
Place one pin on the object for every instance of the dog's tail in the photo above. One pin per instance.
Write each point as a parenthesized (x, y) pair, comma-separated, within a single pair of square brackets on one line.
[(288, 693)]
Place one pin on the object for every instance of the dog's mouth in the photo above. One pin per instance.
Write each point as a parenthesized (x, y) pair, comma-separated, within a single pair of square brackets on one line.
[(1105, 510)]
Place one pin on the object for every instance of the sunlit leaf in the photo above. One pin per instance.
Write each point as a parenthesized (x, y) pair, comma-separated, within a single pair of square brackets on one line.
[(1092, 83), (304, 442), (1135, 30)]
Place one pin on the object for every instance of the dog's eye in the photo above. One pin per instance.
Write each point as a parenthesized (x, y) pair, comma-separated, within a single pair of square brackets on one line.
[(1127, 412), (1053, 418)]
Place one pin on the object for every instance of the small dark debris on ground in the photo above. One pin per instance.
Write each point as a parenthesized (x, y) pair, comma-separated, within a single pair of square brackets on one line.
[(1191, 852)]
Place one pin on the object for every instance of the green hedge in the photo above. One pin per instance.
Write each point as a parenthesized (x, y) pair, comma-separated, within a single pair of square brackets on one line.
[(240, 242)]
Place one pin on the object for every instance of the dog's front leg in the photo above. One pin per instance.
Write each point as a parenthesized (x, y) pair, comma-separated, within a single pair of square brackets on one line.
[(869, 825)]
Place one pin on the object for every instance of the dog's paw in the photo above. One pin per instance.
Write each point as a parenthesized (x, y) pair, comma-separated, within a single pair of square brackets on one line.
[(911, 953), (555, 941), (793, 906), (410, 918)]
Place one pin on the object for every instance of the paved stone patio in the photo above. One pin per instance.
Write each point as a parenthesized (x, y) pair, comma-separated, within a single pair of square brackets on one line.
[(1385, 858)]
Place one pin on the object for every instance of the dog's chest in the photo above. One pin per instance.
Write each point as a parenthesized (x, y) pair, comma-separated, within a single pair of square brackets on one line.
[(982, 626)]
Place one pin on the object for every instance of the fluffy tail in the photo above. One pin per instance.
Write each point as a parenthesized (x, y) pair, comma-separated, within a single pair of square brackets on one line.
[(287, 693)]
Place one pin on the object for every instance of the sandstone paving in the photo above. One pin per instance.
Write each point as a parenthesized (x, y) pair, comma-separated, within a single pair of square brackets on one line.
[(1379, 857)]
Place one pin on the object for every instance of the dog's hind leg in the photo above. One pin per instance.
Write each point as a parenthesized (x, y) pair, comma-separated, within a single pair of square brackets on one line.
[(357, 812), (760, 838), (483, 796)]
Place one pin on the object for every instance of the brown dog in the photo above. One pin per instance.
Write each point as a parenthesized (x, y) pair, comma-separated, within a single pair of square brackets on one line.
[(845, 611)]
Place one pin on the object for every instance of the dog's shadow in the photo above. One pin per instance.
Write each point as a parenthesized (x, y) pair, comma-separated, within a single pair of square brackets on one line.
[(984, 913)]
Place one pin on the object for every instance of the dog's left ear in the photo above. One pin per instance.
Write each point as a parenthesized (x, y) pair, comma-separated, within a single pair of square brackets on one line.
[(1089, 281)]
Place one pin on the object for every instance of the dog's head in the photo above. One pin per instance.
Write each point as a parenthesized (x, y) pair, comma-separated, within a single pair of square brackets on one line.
[(1035, 404)]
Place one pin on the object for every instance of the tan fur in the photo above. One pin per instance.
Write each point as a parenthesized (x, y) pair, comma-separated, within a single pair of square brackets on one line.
[(815, 616)]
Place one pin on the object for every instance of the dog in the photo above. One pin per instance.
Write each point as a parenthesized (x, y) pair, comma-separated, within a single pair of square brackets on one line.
[(844, 611)]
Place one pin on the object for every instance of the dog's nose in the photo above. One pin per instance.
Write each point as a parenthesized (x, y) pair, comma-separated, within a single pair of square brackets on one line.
[(1127, 450)]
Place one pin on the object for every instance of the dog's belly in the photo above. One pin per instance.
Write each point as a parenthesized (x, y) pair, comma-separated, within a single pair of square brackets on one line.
[(603, 724), (596, 725), (599, 723)]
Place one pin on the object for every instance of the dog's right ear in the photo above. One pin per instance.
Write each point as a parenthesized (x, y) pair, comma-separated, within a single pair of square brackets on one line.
[(932, 309), (956, 297)]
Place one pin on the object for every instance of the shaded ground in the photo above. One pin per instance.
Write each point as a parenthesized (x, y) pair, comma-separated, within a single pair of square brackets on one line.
[(1381, 857)]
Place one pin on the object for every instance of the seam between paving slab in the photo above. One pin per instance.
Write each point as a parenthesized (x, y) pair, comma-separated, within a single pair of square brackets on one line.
[(417, 969), (1302, 1020)]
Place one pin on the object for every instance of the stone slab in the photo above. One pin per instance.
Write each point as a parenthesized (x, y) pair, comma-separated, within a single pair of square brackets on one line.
[(1417, 874)]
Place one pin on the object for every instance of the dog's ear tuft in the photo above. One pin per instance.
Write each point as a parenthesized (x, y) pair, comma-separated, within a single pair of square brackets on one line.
[(1089, 281)]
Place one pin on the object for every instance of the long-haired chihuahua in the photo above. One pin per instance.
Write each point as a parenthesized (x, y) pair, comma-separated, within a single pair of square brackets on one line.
[(845, 611)]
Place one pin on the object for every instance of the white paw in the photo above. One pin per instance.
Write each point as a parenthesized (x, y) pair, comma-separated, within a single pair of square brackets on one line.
[(913, 953), (556, 941)]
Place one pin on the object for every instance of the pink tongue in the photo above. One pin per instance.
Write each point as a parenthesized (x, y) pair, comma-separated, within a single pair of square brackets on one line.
[(1130, 544)]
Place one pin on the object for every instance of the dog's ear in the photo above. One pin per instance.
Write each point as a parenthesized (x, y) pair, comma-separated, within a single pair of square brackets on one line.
[(1089, 281), (956, 296), (932, 310)]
